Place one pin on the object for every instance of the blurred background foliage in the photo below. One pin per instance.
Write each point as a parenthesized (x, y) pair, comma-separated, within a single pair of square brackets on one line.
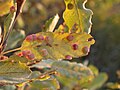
[(105, 53)]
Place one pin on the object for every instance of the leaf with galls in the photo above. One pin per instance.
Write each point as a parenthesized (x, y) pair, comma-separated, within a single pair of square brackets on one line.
[(57, 46)]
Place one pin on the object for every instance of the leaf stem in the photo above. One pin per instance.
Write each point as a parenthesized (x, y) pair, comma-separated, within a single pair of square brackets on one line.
[(9, 51)]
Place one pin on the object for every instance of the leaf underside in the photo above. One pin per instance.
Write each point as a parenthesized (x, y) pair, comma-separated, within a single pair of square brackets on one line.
[(13, 72), (50, 84), (71, 74)]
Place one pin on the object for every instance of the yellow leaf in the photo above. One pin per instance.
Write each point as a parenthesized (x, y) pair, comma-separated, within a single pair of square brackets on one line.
[(58, 45), (76, 15), (5, 6)]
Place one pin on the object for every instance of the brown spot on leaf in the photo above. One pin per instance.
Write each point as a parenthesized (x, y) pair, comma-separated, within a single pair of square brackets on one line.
[(44, 52), (85, 50), (70, 37), (90, 39), (70, 6)]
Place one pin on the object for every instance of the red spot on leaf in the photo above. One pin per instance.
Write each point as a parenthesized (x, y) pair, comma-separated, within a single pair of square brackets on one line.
[(12, 9), (40, 37), (30, 56), (26, 52), (20, 54), (68, 57), (34, 37), (29, 38), (75, 47), (3, 57)]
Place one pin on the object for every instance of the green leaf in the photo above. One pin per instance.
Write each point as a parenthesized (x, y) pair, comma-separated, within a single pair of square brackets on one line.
[(43, 64), (77, 16), (34, 75), (13, 72), (8, 87), (63, 28), (51, 24), (113, 86), (8, 23), (94, 69), (72, 74), (0, 34), (17, 59), (50, 84), (5, 6), (58, 45), (13, 41), (98, 81)]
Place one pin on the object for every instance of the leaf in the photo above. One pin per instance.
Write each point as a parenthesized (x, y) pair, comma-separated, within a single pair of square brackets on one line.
[(58, 45), (50, 84), (8, 26), (94, 69), (77, 14), (13, 72), (43, 64), (0, 34), (63, 28), (5, 6), (13, 41), (51, 23), (98, 81), (72, 74), (8, 22), (17, 59), (11, 19), (8, 87), (34, 75), (113, 86)]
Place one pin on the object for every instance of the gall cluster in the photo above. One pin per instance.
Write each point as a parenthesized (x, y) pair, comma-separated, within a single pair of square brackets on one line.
[(34, 37), (48, 40), (27, 54)]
